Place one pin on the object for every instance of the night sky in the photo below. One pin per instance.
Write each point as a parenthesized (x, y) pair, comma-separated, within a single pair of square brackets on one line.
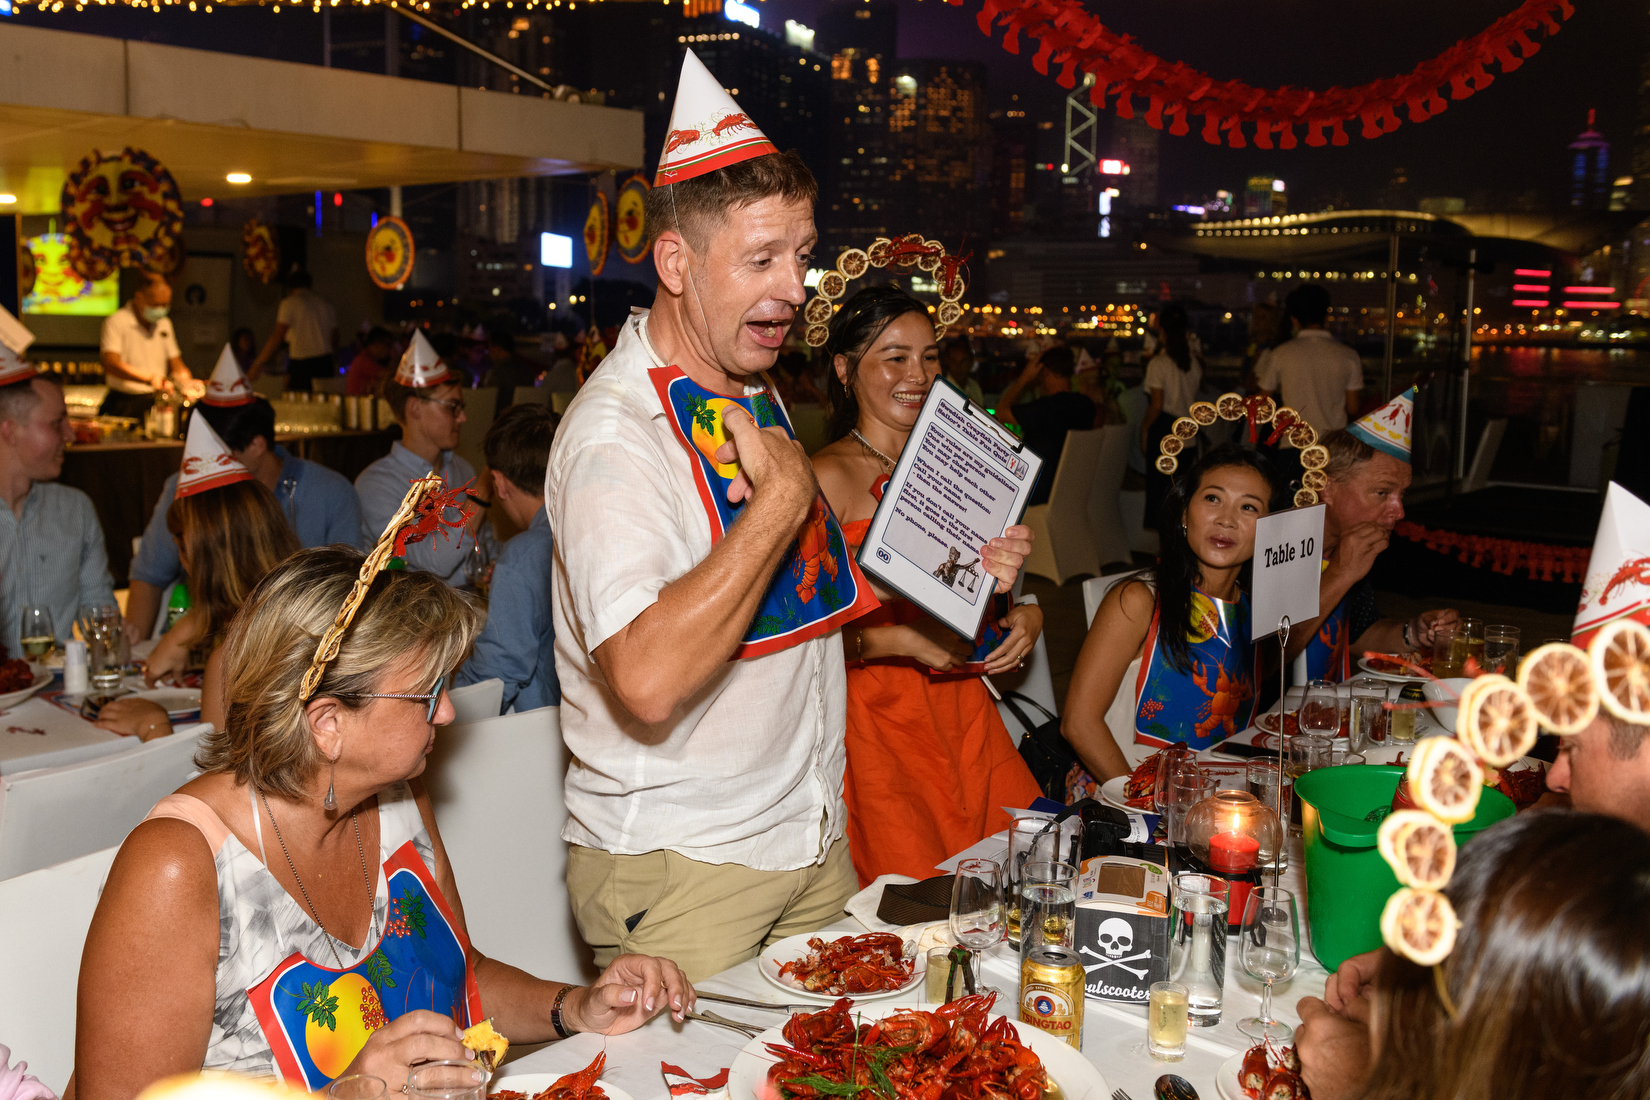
[(1509, 138)]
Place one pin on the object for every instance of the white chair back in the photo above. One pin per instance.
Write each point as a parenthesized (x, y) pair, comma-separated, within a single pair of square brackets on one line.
[(481, 405), (502, 777), (476, 701), (1064, 546), (530, 395), (51, 815), (44, 916), (1111, 541), (1094, 591)]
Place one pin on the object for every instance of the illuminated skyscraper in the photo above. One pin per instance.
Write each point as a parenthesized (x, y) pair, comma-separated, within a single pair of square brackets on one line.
[(1590, 177)]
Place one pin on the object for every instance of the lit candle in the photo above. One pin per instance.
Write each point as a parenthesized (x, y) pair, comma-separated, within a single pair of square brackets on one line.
[(1233, 853)]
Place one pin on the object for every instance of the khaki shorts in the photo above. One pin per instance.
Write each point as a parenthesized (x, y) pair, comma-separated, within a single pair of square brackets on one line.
[(705, 917)]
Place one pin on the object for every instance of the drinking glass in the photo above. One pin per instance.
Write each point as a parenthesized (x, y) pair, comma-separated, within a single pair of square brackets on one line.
[(1447, 658), (1321, 709), (1197, 943), (1187, 787), (1369, 716), (100, 626), (1166, 1021), (357, 1086), (1470, 634), (478, 567), (1034, 840), (977, 904), (1270, 950), (1501, 648), (952, 972), (37, 636), (1340, 756), (1267, 782), (1048, 906), (1307, 752), (447, 1080)]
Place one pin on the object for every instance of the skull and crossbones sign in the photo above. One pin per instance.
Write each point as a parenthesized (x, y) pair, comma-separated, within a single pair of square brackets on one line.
[(1116, 937)]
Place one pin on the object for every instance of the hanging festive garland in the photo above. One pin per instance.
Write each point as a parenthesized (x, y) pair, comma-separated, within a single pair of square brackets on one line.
[(1070, 37), (1542, 561)]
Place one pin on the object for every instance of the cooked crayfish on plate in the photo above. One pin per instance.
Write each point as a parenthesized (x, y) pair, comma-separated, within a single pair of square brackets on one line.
[(872, 963), (1138, 791), (957, 1050), (1272, 1072), (575, 1086)]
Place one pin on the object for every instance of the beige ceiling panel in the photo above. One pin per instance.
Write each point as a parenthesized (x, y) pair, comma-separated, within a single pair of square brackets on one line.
[(520, 125), (36, 67)]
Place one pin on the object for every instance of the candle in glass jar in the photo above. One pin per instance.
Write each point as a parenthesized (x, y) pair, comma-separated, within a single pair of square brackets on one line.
[(1233, 853)]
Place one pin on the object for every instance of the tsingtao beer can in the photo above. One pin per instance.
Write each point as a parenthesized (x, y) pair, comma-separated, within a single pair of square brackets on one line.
[(1051, 993)]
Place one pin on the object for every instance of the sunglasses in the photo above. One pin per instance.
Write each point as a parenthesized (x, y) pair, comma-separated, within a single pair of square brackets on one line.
[(433, 697)]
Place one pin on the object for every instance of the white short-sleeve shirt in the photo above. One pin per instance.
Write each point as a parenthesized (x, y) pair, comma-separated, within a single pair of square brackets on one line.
[(1312, 374), (1179, 386), (146, 350), (750, 769), (310, 321)]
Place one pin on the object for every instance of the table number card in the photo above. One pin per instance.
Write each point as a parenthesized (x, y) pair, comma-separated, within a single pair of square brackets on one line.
[(1288, 563)]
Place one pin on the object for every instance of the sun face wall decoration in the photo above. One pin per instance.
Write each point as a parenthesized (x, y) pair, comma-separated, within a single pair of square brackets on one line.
[(121, 210)]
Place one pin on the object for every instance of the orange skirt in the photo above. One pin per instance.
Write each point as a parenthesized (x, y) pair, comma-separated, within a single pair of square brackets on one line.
[(930, 766)]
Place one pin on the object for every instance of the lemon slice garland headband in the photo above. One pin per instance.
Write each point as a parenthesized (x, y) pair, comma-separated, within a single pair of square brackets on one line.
[(909, 251), (423, 512), (1287, 425)]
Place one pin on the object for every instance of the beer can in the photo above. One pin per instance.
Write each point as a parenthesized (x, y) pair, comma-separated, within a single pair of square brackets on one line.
[(1051, 993)]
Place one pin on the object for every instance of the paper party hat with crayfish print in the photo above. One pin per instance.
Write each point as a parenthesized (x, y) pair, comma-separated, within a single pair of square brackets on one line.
[(1618, 574), (421, 367), (228, 386), (1389, 427), (707, 129), (14, 341), (207, 463)]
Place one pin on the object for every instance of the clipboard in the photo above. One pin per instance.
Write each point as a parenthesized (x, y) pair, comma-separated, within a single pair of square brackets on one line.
[(962, 480)]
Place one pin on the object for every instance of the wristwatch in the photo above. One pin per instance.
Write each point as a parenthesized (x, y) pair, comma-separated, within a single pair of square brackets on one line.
[(1409, 641)]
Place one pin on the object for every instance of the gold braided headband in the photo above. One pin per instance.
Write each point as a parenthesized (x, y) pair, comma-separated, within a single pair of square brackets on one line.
[(907, 251), (422, 511)]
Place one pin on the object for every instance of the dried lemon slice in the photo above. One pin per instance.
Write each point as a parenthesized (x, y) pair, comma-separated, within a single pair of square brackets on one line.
[(832, 285), (853, 263), (1420, 925), (1559, 681), (1229, 406), (878, 252), (1418, 847), (1171, 444), (817, 335), (950, 313), (1445, 780), (1315, 457), (817, 311), (1620, 656), (1265, 410), (1498, 721), (1303, 435), (1184, 427), (1167, 464), (1203, 412), (1305, 498), (1316, 480)]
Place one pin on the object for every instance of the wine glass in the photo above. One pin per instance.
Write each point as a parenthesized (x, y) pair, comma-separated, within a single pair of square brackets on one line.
[(36, 635), (1270, 950), (478, 567), (977, 904), (1321, 709)]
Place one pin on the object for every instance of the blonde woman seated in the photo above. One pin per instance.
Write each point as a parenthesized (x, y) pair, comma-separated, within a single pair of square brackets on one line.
[(231, 934)]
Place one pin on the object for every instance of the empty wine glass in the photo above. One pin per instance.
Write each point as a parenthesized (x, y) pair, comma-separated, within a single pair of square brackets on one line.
[(1321, 709), (1270, 950), (977, 904), (478, 567)]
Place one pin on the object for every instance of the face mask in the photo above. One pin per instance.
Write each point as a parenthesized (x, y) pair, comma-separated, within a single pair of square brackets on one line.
[(154, 314)]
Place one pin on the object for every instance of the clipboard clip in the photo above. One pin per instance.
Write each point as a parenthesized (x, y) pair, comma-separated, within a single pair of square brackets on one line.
[(1004, 436)]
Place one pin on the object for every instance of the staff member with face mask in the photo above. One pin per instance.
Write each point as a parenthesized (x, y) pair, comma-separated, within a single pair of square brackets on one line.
[(140, 351)]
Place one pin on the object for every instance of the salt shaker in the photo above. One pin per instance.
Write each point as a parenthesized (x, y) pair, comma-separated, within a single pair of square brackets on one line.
[(75, 676)]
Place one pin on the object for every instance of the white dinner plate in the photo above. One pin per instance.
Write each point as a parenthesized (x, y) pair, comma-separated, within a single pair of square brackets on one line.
[(535, 1083), (795, 947), (179, 703), (1226, 1078), (1078, 1078), (42, 677), (1390, 677), (1111, 793)]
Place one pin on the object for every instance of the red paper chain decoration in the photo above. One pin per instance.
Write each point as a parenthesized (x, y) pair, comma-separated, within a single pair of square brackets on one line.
[(1070, 37), (1543, 562)]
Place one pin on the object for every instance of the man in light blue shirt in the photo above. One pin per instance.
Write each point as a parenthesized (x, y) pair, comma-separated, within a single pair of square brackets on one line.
[(428, 403), (319, 503), (51, 544), (518, 644)]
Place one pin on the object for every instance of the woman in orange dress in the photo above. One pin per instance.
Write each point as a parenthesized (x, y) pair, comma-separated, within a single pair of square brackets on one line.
[(930, 764)]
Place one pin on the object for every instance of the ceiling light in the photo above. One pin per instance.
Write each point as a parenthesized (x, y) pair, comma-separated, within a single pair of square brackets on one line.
[(7, 200), (238, 177)]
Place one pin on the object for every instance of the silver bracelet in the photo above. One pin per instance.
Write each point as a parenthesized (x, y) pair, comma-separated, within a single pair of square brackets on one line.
[(1409, 642)]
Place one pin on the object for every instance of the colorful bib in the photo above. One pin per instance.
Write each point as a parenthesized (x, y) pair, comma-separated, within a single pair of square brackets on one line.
[(1215, 698), (316, 1018), (818, 586), (1329, 653)]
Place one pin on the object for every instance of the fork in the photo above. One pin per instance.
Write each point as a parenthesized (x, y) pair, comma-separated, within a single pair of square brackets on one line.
[(1119, 1094), (750, 1031)]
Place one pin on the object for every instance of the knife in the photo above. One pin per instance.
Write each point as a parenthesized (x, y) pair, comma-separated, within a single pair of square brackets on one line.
[(727, 1000)]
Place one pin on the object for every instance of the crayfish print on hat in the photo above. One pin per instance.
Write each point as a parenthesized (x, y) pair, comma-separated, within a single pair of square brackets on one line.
[(228, 387), (421, 367), (707, 129), (207, 462)]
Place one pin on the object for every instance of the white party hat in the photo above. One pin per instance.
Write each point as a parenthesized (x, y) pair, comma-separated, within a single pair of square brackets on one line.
[(207, 463), (228, 385), (421, 368), (707, 129), (1618, 574), (1389, 427), (14, 341)]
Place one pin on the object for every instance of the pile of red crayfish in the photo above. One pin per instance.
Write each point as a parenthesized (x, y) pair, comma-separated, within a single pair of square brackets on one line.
[(955, 1052), (575, 1086), (872, 963)]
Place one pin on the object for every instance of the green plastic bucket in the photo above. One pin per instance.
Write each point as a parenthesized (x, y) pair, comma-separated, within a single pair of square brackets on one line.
[(1347, 881)]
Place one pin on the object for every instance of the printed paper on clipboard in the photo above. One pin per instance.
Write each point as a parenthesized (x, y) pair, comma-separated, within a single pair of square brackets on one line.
[(962, 480)]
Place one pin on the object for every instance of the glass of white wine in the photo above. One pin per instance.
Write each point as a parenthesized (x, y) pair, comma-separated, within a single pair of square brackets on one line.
[(37, 636), (1166, 1021)]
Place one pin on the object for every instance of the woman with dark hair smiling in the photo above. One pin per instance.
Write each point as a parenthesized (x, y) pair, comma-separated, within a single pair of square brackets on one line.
[(1168, 656), (930, 764)]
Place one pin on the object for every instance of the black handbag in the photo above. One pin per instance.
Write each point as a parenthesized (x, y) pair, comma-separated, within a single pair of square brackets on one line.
[(1043, 748)]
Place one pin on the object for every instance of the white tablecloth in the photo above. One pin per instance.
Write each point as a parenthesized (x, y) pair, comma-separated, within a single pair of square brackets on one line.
[(64, 738)]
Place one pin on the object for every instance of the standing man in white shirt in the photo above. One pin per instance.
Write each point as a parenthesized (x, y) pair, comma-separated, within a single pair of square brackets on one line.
[(704, 685), (1320, 377), (140, 351), (308, 325)]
